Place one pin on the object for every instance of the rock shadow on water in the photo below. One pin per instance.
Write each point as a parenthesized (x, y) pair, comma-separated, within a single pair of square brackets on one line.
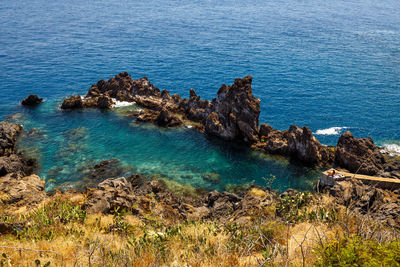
[(90, 175)]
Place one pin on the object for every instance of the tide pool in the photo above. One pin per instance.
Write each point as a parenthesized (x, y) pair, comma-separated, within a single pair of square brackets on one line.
[(68, 143)]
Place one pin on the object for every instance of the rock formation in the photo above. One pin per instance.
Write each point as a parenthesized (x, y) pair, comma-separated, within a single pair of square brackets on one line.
[(166, 119), (21, 192), (32, 100), (383, 205), (235, 112), (10, 160), (232, 115), (18, 187), (8, 137), (298, 143), (358, 155)]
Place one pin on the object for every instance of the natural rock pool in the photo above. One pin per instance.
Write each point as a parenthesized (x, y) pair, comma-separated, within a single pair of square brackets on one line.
[(68, 144)]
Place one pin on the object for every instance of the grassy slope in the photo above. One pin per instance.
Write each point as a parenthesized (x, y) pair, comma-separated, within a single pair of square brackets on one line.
[(297, 230)]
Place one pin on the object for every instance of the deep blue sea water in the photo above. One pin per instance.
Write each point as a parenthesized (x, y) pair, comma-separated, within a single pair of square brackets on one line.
[(316, 63)]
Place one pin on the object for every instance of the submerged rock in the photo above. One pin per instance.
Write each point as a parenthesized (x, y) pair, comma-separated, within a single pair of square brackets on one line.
[(212, 177), (32, 100), (105, 169)]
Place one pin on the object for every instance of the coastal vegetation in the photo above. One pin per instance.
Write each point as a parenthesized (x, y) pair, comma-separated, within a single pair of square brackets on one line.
[(300, 228)]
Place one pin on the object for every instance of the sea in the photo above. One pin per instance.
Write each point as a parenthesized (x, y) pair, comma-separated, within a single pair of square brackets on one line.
[(333, 66)]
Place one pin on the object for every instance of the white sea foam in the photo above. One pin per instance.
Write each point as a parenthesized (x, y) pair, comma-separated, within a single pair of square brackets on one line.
[(119, 104), (391, 149), (189, 126), (330, 131)]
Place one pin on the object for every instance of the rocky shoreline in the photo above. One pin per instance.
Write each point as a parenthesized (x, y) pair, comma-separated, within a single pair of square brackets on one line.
[(20, 190), (234, 115)]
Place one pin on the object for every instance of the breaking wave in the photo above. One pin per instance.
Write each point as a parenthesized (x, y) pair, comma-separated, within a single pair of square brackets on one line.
[(330, 131)]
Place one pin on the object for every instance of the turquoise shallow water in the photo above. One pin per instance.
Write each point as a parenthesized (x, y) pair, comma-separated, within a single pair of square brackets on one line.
[(315, 63), (182, 154)]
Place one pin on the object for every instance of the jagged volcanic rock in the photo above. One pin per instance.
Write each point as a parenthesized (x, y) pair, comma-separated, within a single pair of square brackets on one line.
[(235, 112), (166, 119), (32, 100), (8, 137), (358, 155), (296, 142), (305, 147)]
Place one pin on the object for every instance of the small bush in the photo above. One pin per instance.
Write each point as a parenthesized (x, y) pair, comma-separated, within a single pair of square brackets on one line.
[(354, 251)]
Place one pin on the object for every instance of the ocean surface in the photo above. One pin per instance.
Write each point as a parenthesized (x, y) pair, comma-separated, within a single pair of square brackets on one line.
[(329, 65)]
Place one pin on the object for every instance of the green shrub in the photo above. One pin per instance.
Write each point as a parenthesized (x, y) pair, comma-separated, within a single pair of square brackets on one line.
[(293, 207), (354, 251)]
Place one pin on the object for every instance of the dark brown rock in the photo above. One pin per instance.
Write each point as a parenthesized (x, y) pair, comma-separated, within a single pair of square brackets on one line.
[(72, 102), (305, 147), (32, 100), (298, 143), (166, 119), (382, 205), (145, 115), (358, 155), (104, 102), (235, 112), (273, 141), (222, 204), (118, 87), (8, 137)]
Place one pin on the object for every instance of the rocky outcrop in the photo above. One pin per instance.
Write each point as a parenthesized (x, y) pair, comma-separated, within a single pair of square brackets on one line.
[(104, 102), (359, 155), (20, 192), (305, 147), (76, 102), (382, 205), (298, 143), (111, 194), (73, 102), (10, 160), (133, 193), (32, 100), (391, 169), (166, 119), (8, 137), (235, 112), (16, 164), (110, 168), (232, 115)]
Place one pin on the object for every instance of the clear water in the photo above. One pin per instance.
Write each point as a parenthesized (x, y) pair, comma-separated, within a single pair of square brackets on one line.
[(319, 63)]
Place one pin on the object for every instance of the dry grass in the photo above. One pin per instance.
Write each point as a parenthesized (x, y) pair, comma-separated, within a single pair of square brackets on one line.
[(60, 232)]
